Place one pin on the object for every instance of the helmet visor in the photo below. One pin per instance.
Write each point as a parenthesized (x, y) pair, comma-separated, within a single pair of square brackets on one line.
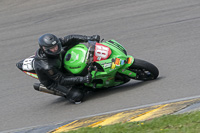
[(53, 50)]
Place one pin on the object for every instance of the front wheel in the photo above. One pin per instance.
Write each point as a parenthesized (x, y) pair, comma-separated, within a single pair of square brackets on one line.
[(144, 70)]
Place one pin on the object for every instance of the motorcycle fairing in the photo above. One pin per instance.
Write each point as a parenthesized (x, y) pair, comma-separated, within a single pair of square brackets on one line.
[(107, 77), (27, 66), (118, 48)]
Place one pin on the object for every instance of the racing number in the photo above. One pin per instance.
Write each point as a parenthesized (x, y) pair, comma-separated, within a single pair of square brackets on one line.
[(101, 52)]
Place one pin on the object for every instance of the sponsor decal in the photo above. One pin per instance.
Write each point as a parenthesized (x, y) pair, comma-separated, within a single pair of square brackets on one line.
[(75, 67), (107, 65), (122, 62), (113, 65), (117, 61), (31, 74), (129, 60)]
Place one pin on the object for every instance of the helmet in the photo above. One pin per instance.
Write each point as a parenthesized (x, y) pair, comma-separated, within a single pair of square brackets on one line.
[(50, 44)]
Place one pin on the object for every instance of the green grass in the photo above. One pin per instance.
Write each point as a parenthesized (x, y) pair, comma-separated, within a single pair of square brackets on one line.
[(181, 123)]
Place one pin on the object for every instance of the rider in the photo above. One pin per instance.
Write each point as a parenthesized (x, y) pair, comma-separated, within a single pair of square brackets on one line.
[(48, 65)]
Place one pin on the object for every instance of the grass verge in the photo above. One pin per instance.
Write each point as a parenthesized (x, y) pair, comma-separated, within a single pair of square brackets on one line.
[(181, 123)]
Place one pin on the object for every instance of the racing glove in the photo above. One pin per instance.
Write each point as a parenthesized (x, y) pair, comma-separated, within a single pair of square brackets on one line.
[(94, 38), (86, 79)]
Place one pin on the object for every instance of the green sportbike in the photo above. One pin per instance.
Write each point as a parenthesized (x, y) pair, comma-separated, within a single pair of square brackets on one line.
[(108, 62)]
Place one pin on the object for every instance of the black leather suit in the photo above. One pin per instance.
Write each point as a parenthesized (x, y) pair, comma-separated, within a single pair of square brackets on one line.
[(49, 72)]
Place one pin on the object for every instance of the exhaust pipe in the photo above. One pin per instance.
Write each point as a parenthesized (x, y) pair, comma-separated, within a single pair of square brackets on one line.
[(41, 88)]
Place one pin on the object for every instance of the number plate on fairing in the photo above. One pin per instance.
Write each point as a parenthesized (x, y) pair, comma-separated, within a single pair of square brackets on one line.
[(101, 52)]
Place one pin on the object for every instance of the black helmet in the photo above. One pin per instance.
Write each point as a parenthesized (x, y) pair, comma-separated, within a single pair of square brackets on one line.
[(50, 44)]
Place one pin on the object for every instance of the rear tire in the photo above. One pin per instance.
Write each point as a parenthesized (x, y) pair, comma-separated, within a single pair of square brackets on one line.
[(144, 70)]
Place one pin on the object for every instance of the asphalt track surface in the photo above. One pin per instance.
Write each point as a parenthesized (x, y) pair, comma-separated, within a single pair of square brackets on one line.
[(166, 33)]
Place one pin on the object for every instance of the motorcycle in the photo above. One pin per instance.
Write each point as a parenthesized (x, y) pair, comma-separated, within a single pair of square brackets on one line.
[(107, 62)]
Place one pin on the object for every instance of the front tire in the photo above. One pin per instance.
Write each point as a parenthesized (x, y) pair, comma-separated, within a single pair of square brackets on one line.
[(144, 70)]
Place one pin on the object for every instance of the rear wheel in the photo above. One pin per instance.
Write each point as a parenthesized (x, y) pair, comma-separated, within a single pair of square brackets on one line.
[(144, 70)]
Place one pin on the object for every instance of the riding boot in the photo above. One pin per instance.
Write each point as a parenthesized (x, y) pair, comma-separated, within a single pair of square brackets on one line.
[(75, 95), (72, 93)]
